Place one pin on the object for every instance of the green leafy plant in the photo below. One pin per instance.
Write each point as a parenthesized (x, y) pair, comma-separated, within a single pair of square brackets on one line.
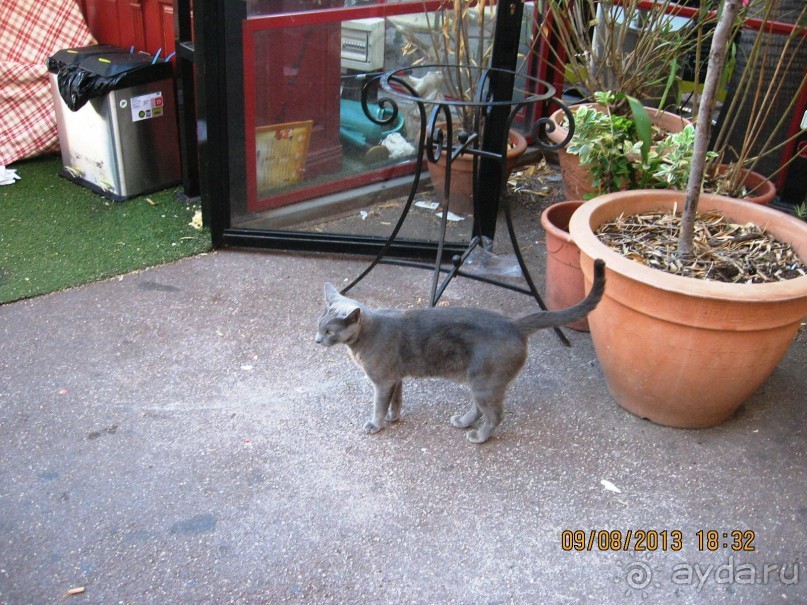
[(672, 158), (627, 152), (603, 140)]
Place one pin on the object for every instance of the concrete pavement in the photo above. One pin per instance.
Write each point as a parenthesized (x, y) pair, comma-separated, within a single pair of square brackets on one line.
[(175, 436)]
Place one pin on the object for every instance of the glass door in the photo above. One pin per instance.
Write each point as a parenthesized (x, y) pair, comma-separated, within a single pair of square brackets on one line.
[(289, 157)]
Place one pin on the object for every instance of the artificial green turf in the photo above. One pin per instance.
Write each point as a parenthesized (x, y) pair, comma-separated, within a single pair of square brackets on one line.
[(55, 234)]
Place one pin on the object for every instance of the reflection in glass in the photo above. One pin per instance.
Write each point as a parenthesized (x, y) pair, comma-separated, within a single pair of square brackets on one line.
[(314, 161)]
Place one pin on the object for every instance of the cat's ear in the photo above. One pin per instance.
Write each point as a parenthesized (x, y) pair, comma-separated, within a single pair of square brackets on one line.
[(354, 316), (331, 293)]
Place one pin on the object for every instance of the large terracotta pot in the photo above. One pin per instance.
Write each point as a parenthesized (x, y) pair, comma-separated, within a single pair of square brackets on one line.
[(680, 351), (461, 196), (564, 285), (576, 178)]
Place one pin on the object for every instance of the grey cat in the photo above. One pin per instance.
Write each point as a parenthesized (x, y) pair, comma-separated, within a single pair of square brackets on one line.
[(484, 349)]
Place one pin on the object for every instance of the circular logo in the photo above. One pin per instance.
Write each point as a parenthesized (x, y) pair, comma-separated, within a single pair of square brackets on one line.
[(123, 103), (638, 575)]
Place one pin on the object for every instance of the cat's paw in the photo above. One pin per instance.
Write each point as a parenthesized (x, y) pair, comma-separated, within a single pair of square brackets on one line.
[(476, 436), (463, 421), (456, 420), (393, 416), (372, 427)]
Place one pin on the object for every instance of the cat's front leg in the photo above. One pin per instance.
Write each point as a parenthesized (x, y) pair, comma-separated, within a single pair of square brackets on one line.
[(383, 396)]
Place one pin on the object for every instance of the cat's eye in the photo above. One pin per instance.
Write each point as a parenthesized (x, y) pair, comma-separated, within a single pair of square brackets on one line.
[(328, 332)]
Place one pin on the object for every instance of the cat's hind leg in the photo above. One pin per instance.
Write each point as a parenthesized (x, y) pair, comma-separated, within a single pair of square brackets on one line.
[(490, 403), (489, 378), (383, 397), (395, 403)]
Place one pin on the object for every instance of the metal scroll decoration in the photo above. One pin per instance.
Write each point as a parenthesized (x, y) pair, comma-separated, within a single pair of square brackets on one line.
[(542, 124), (549, 125), (438, 130)]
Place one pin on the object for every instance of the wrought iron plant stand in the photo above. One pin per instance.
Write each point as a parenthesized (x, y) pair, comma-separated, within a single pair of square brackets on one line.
[(436, 138)]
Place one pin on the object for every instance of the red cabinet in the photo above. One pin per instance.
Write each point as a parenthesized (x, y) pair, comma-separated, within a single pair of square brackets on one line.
[(146, 24)]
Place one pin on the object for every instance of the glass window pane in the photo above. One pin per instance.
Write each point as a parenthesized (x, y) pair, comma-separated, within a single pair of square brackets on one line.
[(313, 160)]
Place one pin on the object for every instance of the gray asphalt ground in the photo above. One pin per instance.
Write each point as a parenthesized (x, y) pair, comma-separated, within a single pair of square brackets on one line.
[(176, 436)]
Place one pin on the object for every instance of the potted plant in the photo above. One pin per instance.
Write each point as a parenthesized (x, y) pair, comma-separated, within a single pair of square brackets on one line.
[(645, 150), (458, 43), (728, 169), (613, 154), (631, 46), (609, 152), (594, 162), (610, 167), (635, 51), (681, 350)]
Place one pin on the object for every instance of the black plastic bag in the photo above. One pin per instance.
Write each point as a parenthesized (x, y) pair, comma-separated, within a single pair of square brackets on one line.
[(89, 72)]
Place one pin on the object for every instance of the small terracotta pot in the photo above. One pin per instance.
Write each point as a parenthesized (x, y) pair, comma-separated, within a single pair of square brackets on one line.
[(461, 196), (564, 285), (576, 178), (762, 189), (681, 351)]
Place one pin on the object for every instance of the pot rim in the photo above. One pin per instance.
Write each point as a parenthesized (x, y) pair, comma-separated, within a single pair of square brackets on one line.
[(518, 140), (601, 209), (550, 227), (764, 189)]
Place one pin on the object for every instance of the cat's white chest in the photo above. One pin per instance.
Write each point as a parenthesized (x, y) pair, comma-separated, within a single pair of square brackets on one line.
[(356, 357)]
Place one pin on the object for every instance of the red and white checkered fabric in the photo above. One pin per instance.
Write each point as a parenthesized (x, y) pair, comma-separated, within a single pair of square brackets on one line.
[(30, 32)]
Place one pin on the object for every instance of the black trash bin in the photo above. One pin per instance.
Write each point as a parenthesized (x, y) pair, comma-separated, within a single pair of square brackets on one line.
[(116, 118)]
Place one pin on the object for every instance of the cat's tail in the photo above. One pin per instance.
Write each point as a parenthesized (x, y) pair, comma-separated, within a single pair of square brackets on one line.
[(552, 319)]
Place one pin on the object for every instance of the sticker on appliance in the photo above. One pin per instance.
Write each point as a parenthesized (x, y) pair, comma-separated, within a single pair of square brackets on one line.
[(147, 106)]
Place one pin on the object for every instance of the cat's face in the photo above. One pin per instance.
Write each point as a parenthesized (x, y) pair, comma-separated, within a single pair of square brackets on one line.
[(339, 323)]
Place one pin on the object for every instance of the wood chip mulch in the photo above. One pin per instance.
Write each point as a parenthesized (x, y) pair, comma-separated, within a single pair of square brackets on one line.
[(724, 251)]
